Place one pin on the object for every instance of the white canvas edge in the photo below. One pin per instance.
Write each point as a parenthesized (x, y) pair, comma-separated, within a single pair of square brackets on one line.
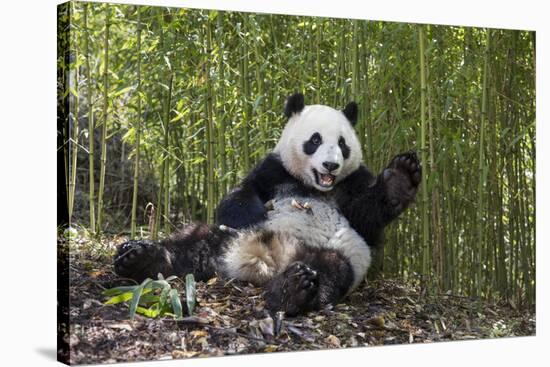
[(28, 166)]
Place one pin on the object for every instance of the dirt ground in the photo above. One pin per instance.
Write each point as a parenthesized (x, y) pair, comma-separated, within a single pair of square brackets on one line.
[(230, 318)]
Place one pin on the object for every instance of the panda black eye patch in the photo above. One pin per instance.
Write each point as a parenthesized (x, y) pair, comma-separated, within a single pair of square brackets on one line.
[(312, 144), (344, 147)]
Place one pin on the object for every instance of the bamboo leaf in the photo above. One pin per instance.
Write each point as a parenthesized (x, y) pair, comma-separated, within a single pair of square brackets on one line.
[(151, 312), (164, 296), (176, 303), (118, 290), (136, 295), (121, 91), (120, 298), (190, 292)]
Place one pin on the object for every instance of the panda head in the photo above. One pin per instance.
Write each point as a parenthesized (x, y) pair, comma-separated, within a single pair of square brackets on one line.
[(318, 144)]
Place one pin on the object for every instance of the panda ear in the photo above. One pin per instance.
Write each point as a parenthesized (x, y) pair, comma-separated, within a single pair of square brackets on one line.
[(294, 104), (351, 111)]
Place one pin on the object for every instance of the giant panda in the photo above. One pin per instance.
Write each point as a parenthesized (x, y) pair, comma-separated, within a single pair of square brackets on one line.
[(302, 224)]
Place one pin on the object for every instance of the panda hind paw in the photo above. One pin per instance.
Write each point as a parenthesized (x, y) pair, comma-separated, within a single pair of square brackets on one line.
[(294, 291), (138, 260)]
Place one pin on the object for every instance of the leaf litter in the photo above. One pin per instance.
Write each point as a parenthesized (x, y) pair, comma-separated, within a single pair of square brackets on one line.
[(229, 317)]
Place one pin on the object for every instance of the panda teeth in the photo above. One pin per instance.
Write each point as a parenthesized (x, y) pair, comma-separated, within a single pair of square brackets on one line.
[(326, 179)]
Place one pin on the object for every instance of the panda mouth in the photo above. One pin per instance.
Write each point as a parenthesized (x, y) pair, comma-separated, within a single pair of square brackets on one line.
[(324, 179)]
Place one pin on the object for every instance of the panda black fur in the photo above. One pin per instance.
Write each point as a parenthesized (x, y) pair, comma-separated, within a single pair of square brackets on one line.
[(302, 223)]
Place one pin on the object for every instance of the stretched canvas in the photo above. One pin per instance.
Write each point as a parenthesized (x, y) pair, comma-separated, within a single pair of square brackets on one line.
[(204, 155)]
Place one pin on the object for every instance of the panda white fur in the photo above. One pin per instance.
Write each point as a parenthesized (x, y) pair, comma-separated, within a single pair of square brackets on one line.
[(302, 223)]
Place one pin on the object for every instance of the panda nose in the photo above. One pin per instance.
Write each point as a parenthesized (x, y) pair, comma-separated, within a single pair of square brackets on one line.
[(330, 166)]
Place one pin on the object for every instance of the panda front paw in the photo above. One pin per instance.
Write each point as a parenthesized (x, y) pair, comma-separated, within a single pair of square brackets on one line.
[(401, 179), (142, 259), (294, 291)]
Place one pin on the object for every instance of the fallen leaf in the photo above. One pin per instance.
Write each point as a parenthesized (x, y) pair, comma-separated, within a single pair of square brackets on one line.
[(212, 281), (198, 333), (121, 326), (178, 354), (270, 348), (377, 321), (332, 340)]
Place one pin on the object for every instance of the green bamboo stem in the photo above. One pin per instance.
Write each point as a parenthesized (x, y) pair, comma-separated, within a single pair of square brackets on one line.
[(221, 114), (167, 147), (209, 131), (103, 161), (137, 128), (260, 94), (245, 107), (319, 39), (481, 168), (91, 127), (424, 187), (75, 129)]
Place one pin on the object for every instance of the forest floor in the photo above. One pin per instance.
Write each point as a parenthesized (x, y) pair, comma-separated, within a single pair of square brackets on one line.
[(230, 318)]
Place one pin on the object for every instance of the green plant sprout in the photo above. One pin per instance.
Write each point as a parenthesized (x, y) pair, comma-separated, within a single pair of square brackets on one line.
[(154, 298)]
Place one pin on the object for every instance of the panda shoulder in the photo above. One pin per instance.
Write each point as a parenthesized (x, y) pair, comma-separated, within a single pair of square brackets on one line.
[(270, 169), (267, 175)]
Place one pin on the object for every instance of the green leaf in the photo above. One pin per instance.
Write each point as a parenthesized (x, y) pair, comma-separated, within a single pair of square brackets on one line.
[(257, 103), (121, 91), (119, 290), (176, 303), (190, 292), (119, 298), (137, 295), (146, 282), (151, 312), (159, 284), (164, 296), (458, 151), (213, 14), (148, 299)]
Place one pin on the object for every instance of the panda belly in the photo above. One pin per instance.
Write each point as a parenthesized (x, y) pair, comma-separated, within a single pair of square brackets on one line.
[(312, 221), (295, 224)]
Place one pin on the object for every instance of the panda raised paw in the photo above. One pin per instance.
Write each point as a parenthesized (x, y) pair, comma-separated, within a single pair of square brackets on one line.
[(293, 291), (401, 179), (409, 165)]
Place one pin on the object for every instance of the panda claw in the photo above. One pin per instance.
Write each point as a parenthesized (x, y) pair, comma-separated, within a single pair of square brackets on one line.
[(293, 291)]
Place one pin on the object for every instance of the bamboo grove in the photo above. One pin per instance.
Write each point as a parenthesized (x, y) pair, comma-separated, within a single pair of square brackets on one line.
[(170, 108)]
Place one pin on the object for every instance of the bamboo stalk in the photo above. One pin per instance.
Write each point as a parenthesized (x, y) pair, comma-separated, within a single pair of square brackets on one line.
[(209, 130), (91, 127), (260, 94), (482, 177), (103, 161), (318, 60), (424, 187), (435, 211), (75, 129), (167, 147), (245, 107), (367, 120), (138, 128), (355, 78), (221, 115)]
